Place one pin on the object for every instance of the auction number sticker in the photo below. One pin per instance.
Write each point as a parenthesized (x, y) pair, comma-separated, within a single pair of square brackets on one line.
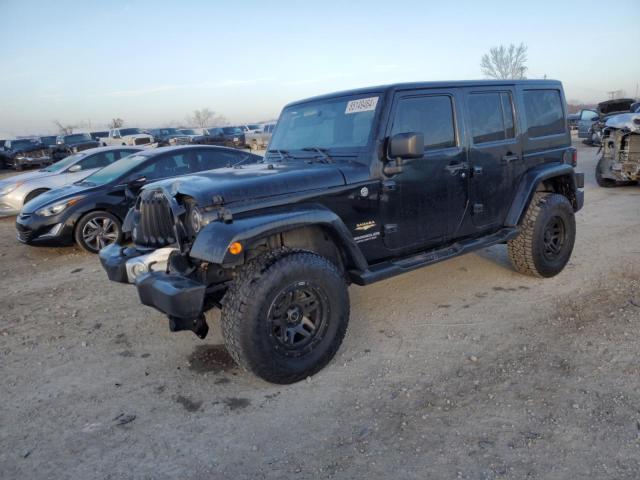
[(361, 105)]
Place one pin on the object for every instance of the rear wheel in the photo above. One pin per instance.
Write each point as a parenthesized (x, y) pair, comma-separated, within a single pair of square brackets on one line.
[(96, 230), (547, 235), (285, 315)]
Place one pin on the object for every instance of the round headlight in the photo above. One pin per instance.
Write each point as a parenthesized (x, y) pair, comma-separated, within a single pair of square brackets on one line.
[(195, 219)]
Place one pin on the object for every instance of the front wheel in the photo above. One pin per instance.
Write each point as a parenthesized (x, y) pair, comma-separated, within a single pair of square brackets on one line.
[(547, 235), (285, 315), (96, 230)]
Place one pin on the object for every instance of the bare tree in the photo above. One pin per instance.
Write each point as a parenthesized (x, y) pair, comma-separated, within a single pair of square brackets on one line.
[(116, 123), (205, 118), (64, 129), (505, 62)]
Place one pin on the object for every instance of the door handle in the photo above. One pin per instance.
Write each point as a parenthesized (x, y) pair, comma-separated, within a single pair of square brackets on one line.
[(510, 158), (454, 168)]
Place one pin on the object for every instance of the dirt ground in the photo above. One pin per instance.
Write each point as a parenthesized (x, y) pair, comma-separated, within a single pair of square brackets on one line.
[(465, 369)]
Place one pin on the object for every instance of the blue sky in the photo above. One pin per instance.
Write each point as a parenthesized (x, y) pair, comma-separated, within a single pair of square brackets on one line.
[(155, 62)]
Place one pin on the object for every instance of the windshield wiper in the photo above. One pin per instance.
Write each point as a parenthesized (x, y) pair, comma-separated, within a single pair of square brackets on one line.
[(240, 162), (283, 153), (322, 151)]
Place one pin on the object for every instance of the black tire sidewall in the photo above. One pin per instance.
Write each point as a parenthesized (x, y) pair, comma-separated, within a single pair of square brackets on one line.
[(86, 218), (255, 339), (552, 206)]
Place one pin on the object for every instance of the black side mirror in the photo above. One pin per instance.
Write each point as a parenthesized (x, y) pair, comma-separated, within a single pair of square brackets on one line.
[(138, 182), (407, 145)]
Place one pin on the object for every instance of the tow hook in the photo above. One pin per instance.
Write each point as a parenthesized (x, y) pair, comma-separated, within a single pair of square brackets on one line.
[(196, 325)]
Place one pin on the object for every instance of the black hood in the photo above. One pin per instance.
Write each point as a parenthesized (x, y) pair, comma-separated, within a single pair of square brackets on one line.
[(250, 182), (58, 195), (618, 105)]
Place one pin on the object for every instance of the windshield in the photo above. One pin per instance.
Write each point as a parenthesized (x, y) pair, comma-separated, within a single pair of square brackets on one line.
[(48, 140), (188, 131), (253, 127), (116, 170), (232, 130), (129, 131), (343, 122), (77, 137), (65, 162), (169, 131)]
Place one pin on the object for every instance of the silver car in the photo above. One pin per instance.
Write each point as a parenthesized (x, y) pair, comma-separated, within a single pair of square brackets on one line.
[(260, 138), (17, 190)]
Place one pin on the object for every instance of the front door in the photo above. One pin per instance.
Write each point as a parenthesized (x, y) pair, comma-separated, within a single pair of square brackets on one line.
[(495, 155), (424, 203)]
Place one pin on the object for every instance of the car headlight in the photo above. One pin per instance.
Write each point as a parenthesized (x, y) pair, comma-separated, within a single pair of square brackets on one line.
[(5, 190), (56, 208), (195, 219)]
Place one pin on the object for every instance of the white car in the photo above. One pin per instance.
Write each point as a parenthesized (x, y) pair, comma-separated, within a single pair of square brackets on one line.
[(260, 138), (17, 190), (127, 136)]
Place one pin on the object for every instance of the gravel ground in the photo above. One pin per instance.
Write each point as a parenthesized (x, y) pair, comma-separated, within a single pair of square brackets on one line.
[(464, 369)]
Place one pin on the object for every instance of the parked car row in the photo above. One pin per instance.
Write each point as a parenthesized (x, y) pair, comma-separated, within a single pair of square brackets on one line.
[(41, 151), (592, 122)]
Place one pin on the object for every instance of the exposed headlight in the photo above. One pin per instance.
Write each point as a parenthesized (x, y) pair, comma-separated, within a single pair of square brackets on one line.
[(9, 188), (195, 219), (56, 208)]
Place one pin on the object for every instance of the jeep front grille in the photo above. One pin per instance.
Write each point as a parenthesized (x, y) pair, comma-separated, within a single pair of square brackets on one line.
[(155, 226)]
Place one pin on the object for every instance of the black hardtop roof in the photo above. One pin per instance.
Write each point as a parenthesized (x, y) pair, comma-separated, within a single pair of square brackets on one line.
[(424, 85)]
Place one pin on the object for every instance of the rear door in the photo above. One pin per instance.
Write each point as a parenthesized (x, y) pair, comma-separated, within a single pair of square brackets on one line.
[(495, 155)]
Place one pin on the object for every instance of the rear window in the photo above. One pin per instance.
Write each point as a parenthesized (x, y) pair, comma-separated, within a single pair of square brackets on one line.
[(543, 111), (491, 116)]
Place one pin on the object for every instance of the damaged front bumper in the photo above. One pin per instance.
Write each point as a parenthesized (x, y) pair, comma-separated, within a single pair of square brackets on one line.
[(179, 297)]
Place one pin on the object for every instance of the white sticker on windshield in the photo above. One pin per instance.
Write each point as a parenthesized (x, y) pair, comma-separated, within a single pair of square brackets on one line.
[(361, 105)]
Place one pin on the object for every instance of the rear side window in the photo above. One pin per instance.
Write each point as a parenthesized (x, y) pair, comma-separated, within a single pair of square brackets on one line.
[(211, 159), (543, 111), (98, 160), (432, 116), (491, 116)]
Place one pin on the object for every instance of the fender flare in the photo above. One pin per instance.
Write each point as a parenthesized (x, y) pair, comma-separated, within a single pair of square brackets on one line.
[(212, 243), (529, 183)]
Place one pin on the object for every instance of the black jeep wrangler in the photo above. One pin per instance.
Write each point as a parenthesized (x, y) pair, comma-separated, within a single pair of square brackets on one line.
[(357, 187)]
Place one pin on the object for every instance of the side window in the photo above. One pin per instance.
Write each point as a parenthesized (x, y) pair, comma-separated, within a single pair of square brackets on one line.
[(98, 160), (126, 153), (491, 116), (210, 159), (430, 115), (543, 111), (588, 115), (169, 165)]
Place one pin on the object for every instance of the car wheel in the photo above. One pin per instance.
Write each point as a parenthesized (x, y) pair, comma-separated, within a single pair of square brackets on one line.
[(547, 235), (96, 230), (34, 194), (285, 315)]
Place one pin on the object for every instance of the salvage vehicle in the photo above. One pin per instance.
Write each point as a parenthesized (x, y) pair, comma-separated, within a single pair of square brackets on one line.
[(49, 141), (619, 162), (168, 136), (591, 130), (259, 138), (224, 136), (126, 136), (17, 190), (25, 152), (73, 143), (356, 187), (572, 120), (90, 212), (98, 135), (191, 132)]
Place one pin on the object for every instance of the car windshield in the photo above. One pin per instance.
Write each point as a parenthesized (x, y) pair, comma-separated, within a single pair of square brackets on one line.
[(169, 131), (78, 137), (48, 140), (65, 162), (116, 170), (232, 130), (253, 127), (188, 131), (342, 122), (129, 131)]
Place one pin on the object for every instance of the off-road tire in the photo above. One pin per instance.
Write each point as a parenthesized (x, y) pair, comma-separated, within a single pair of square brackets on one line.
[(34, 194), (79, 227), (250, 299), (527, 250)]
